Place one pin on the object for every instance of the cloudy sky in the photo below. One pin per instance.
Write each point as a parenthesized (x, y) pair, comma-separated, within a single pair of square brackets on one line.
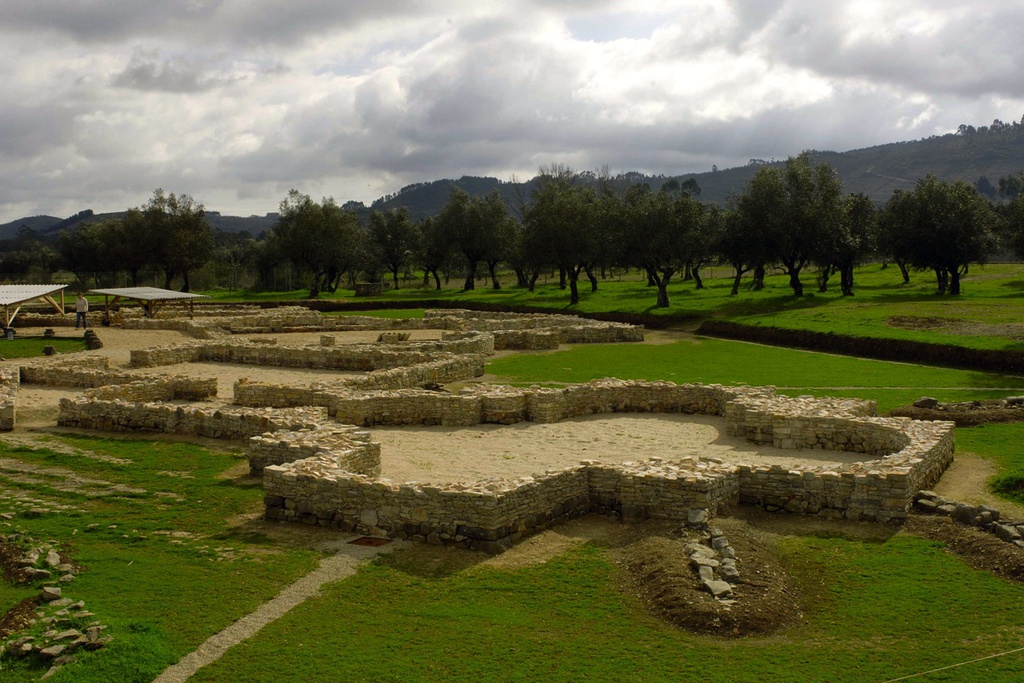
[(237, 101)]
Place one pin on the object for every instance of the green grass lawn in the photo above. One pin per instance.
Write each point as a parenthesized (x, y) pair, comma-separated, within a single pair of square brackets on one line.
[(716, 361), (149, 522), (32, 347), (993, 297), (881, 610)]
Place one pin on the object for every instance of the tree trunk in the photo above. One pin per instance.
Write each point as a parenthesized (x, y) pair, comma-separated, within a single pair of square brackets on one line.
[(846, 280), (758, 283), (903, 271), (822, 277), (561, 277), (573, 273), (470, 283), (954, 281), (492, 267), (941, 280), (394, 277), (593, 280), (520, 276), (184, 284), (533, 278), (695, 272), (794, 280)]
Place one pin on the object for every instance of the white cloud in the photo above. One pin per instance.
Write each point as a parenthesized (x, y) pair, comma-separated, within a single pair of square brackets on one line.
[(237, 101)]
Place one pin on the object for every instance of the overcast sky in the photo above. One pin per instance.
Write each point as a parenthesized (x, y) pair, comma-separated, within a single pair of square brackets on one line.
[(237, 101)]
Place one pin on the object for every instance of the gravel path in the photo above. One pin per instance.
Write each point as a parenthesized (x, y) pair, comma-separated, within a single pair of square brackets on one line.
[(334, 568)]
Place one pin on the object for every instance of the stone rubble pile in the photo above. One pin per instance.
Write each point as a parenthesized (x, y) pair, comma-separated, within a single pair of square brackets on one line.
[(66, 625), (982, 517), (711, 557)]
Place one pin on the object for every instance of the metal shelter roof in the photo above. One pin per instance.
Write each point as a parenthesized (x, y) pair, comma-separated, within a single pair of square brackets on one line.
[(147, 294), (12, 295), (151, 298)]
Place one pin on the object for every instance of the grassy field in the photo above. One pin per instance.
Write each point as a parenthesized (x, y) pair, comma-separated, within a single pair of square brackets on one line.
[(31, 347), (155, 525), (149, 522), (985, 316)]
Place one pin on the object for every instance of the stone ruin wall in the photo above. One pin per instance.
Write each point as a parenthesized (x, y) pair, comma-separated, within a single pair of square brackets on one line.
[(10, 380), (499, 404), (348, 448), (491, 515), (117, 415), (345, 357)]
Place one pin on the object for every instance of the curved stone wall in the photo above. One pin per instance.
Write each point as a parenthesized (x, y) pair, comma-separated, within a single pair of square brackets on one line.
[(905, 456)]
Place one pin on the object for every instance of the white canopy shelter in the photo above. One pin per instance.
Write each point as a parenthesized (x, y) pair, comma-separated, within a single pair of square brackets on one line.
[(151, 298), (13, 297)]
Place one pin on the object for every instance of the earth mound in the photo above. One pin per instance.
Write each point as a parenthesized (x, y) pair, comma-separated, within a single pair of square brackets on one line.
[(764, 601)]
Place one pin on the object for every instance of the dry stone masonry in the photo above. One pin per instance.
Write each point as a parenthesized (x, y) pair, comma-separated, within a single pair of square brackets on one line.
[(10, 380), (981, 516), (904, 456)]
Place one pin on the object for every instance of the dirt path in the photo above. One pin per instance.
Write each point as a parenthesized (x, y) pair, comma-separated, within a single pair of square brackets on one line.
[(966, 481), (341, 565)]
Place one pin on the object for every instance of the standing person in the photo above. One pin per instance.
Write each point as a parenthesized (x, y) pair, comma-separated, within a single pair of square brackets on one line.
[(81, 308)]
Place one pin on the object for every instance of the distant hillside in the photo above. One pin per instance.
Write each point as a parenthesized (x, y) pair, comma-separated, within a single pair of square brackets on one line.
[(47, 226), (992, 152)]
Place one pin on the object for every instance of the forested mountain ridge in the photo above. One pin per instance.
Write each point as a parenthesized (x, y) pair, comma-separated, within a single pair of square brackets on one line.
[(48, 226), (970, 154), (992, 152)]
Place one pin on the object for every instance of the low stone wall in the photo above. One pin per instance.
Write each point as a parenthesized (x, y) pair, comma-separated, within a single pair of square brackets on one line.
[(217, 423), (351, 357), (362, 323), (525, 340), (905, 456), (980, 516), (93, 318), (10, 379), (79, 371), (654, 488), (508, 405), (347, 448), (483, 516), (441, 371), (283, 319), (535, 329), (164, 388), (328, 394)]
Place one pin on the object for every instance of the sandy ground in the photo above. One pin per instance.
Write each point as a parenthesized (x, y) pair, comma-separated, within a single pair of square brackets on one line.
[(442, 454), (445, 454)]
